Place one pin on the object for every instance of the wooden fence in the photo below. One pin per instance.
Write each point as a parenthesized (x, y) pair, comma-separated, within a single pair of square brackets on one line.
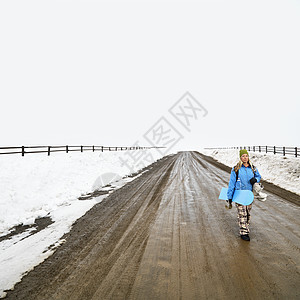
[(49, 149), (268, 149)]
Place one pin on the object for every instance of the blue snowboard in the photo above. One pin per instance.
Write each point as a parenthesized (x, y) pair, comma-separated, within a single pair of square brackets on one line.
[(244, 197)]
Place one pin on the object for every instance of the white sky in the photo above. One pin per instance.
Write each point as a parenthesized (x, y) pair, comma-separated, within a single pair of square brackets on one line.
[(103, 72)]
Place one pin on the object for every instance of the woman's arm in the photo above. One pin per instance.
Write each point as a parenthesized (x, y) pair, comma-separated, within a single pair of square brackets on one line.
[(257, 176), (231, 185)]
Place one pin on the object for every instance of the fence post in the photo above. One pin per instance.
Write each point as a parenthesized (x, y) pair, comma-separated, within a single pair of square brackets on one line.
[(102, 148), (296, 152), (49, 147), (283, 150), (93, 148), (81, 149), (258, 148), (266, 149), (67, 149), (23, 150), (274, 149)]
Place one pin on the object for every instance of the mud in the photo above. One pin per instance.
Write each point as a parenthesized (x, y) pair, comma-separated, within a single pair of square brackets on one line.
[(165, 235)]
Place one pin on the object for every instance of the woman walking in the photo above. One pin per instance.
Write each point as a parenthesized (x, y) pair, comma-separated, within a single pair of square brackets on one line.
[(243, 177)]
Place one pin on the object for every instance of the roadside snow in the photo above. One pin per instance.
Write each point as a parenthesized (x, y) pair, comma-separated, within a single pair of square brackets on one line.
[(36, 186), (283, 171)]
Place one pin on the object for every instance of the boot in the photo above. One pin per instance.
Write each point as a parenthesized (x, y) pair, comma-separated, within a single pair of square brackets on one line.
[(245, 237)]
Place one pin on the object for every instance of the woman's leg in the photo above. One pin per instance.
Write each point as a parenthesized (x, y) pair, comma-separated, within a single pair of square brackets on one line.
[(244, 218), (248, 208)]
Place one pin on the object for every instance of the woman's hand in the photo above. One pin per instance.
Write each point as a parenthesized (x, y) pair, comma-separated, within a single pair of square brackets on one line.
[(229, 201)]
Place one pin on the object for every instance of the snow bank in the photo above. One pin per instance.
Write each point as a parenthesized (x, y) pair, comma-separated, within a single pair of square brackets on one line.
[(36, 186), (283, 171)]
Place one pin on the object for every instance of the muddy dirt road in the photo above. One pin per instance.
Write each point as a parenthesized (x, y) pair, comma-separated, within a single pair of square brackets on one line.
[(166, 235)]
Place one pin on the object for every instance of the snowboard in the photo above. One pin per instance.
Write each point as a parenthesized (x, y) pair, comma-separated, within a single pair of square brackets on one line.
[(243, 197)]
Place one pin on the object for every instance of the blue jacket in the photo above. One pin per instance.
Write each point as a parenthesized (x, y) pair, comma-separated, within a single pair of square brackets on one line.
[(243, 182)]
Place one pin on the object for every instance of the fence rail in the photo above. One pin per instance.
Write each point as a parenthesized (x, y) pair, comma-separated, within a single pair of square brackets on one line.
[(267, 149), (49, 149)]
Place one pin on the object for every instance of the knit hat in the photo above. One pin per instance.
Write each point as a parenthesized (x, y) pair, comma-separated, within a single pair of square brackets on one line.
[(243, 151)]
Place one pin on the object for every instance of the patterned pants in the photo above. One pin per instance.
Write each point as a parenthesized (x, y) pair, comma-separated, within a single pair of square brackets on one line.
[(244, 217)]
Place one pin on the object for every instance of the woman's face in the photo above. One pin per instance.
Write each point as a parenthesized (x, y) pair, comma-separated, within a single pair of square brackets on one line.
[(245, 158)]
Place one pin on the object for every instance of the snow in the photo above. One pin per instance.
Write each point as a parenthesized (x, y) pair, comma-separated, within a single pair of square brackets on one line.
[(36, 186), (283, 171)]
